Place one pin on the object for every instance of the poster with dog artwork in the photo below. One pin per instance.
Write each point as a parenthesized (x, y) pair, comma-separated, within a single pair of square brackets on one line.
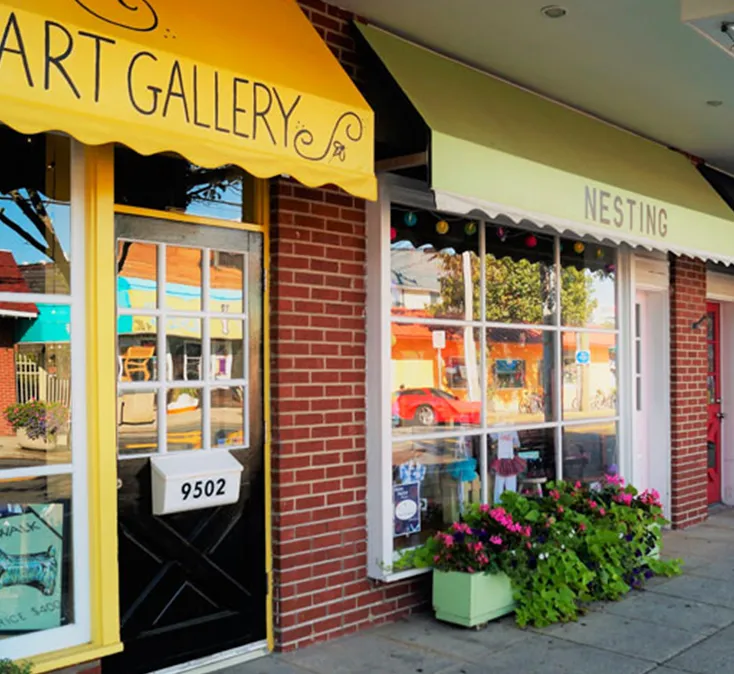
[(31, 550)]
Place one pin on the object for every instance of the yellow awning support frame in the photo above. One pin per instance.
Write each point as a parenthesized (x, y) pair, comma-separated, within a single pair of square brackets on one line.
[(504, 152), (250, 84)]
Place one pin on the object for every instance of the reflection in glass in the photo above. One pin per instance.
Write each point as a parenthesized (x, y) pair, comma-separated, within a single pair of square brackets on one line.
[(35, 401), (136, 348), (520, 380), (227, 355), (137, 422), (226, 280), (521, 460), (589, 375), (589, 451), (434, 266), (167, 183), (36, 564), (588, 288), (520, 278), (136, 275), (435, 378), (183, 419), (183, 349), (227, 416), (440, 478), (35, 223), (183, 278)]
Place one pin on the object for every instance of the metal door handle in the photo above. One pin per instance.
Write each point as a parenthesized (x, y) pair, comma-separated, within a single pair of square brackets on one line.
[(720, 415)]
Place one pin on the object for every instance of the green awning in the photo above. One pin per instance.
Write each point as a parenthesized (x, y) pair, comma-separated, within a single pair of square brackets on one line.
[(507, 153)]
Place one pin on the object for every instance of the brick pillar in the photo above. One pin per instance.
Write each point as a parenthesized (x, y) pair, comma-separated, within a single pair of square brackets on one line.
[(7, 372), (318, 373), (688, 392)]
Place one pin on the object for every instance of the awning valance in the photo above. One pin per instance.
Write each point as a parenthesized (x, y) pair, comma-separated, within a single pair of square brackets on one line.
[(245, 82), (508, 153)]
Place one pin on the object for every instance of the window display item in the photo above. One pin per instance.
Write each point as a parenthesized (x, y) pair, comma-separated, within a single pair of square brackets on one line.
[(506, 466)]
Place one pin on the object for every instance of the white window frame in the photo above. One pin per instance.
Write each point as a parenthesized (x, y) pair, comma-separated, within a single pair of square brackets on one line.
[(411, 194), (79, 632), (209, 382)]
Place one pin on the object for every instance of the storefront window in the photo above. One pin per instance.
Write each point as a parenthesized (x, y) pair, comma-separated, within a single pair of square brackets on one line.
[(503, 369), (43, 559)]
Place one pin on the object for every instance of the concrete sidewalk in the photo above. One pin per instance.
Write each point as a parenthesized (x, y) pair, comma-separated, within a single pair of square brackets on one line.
[(684, 624)]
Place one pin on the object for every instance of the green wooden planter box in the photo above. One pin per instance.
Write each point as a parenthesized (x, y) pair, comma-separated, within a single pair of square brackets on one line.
[(471, 599)]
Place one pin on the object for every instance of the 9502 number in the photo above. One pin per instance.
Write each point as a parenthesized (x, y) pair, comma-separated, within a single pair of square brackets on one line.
[(203, 489)]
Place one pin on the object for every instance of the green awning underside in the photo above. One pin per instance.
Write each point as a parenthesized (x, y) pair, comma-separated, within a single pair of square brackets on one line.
[(507, 153)]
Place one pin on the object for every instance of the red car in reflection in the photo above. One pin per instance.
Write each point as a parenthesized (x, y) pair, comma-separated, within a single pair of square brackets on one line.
[(431, 407)]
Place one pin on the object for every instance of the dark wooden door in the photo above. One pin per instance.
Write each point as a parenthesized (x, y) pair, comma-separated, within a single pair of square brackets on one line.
[(191, 584), (714, 404)]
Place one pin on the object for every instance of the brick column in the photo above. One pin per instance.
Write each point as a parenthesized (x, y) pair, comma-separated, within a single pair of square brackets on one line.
[(688, 392), (318, 373), (7, 372)]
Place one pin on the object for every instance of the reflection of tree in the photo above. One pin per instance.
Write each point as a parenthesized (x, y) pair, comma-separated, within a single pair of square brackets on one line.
[(31, 205), (518, 291)]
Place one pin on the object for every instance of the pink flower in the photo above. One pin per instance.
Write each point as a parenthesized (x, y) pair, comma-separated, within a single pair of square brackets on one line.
[(495, 540), (602, 512), (560, 509), (577, 485), (461, 527), (484, 507), (555, 494), (436, 558), (469, 569), (528, 546), (592, 504), (582, 527), (448, 541), (478, 546)]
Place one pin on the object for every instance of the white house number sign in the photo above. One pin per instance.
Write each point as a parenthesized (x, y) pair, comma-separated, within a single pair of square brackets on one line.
[(193, 481)]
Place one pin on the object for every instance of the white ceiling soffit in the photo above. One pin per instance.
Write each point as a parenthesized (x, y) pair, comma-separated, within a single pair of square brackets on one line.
[(707, 17), (502, 214)]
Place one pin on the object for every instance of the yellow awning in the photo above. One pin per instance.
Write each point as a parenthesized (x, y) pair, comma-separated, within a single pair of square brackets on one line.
[(508, 153), (245, 82)]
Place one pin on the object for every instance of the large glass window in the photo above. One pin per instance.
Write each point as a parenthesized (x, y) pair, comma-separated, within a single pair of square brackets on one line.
[(503, 370), (43, 507)]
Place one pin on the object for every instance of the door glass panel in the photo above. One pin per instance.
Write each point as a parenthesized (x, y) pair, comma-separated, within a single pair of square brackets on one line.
[(227, 276), (183, 419), (227, 410), (228, 347), (137, 348), (137, 422), (137, 273), (711, 455), (183, 279), (711, 326), (183, 349)]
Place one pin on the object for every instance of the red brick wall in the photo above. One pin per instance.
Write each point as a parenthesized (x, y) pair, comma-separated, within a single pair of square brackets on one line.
[(7, 373), (318, 373), (688, 392)]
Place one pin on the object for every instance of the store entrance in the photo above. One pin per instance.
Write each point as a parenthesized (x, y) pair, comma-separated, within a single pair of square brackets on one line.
[(715, 415), (190, 380)]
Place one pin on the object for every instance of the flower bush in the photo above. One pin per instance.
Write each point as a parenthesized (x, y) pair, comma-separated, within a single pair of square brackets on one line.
[(39, 419), (573, 545)]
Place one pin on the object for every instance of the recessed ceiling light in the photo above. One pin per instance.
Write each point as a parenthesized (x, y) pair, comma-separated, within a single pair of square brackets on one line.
[(554, 11), (714, 104)]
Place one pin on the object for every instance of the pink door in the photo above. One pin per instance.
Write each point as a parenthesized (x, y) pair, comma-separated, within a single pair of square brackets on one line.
[(715, 415)]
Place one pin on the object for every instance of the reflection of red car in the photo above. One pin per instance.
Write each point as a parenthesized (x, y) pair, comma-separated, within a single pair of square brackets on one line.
[(431, 406)]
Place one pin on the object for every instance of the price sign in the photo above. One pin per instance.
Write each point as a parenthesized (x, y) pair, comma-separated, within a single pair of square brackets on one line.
[(194, 481)]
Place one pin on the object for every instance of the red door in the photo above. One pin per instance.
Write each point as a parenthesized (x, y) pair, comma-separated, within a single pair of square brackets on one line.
[(715, 416)]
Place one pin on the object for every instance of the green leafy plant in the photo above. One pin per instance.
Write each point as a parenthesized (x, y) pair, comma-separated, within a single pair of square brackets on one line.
[(562, 550), (10, 667), (39, 419)]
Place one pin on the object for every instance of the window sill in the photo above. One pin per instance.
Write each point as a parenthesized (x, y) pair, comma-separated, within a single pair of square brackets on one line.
[(69, 657), (394, 577)]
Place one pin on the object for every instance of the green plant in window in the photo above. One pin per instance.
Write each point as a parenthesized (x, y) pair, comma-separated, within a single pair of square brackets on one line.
[(38, 418), (10, 667)]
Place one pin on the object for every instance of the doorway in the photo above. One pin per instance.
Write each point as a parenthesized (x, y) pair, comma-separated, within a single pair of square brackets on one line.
[(651, 386), (715, 414), (190, 378)]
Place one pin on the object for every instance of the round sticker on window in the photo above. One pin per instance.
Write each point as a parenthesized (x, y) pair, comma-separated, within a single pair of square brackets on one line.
[(405, 510)]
